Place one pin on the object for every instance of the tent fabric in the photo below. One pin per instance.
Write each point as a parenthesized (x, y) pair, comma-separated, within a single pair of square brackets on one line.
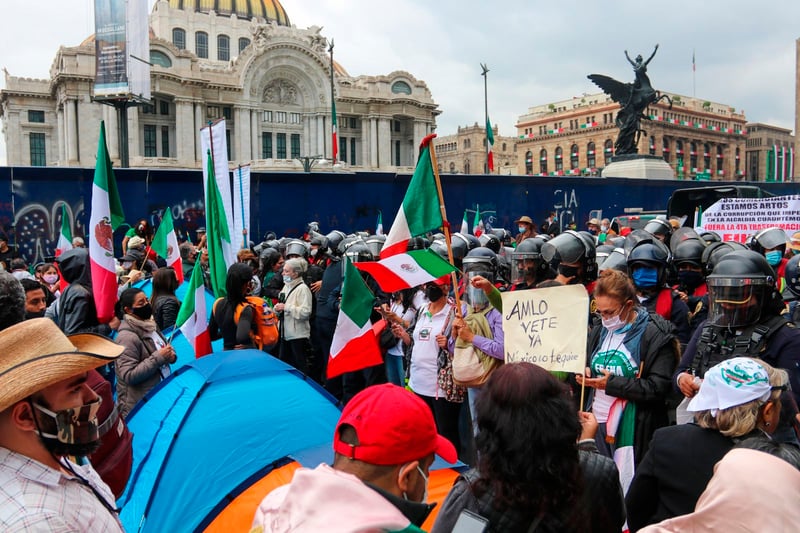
[(213, 424)]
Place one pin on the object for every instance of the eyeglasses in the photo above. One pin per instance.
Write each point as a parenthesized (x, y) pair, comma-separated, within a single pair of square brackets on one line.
[(609, 314)]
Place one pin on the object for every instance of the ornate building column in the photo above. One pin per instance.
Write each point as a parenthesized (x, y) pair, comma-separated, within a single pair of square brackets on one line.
[(385, 142), (373, 143), (71, 132), (255, 149), (60, 136), (184, 133), (308, 142), (241, 133), (135, 137), (199, 108), (321, 137), (364, 158)]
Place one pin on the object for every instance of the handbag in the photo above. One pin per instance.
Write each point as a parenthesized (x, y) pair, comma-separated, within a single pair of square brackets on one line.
[(453, 392), (472, 367)]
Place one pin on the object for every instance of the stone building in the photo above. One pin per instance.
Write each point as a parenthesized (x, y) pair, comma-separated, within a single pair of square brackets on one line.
[(797, 98), (241, 61), (576, 137), (465, 152), (769, 154)]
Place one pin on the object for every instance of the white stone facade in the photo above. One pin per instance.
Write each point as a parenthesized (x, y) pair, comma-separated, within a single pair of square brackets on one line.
[(275, 95)]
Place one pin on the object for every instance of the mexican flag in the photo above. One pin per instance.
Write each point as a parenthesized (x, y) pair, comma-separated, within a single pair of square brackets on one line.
[(409, 269), (490, 144), (106, 216), (354, 343), (620, 428), (464, 224), (217, 234), (65, 237), (420, 210), (379, 224), (165, 244), (477, 227), (192, 319)]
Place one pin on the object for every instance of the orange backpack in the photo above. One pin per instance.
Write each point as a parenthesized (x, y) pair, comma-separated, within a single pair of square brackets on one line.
[(266, 323)]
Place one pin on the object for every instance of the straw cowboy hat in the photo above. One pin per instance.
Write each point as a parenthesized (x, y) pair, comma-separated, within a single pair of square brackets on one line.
[(35, 354)]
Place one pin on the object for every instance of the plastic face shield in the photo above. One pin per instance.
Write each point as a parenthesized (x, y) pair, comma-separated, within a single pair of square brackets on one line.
[(735, 302)]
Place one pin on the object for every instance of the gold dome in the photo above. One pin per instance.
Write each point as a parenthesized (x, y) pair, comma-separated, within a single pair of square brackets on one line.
[(272, 10)]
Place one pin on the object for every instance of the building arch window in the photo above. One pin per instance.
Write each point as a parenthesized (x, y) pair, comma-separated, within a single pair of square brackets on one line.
[(559, 159), (652, 145), (466, 144), (160, 58), (573, 157), (608, 151), (542, 162), (504, 147), (466, 167), (244, 42), (179, 38), (737, 168), (720, 161), (665, 149), (401, 87), (706, 156), (591, 157), (452, 168), (528, 162), (693, 156), (223, 47), (201, 44)]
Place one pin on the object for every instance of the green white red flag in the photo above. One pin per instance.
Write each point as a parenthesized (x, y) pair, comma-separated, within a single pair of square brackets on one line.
[(165, 244), (406, 270), (65, 237), (192, 316), (477, 227), (420, 211), (217, 234), (354, 345), (334, 133), (105, 217), (490, 144), (464, 224)]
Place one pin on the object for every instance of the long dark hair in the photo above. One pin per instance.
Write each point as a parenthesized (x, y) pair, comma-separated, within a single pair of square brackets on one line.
[(165, 282), (239, 275), (527, 433), (126, 300)]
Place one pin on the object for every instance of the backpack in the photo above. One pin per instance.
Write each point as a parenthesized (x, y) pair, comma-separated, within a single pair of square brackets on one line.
[(266, 323), (114, 458)]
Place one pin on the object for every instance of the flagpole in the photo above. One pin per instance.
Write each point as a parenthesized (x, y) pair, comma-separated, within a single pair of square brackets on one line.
[(445, 224), (334, 138), (694, 76), (486, 110), (241, 200)]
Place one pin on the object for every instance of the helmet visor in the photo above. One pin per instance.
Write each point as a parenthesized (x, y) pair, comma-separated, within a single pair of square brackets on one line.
[(735, 302)]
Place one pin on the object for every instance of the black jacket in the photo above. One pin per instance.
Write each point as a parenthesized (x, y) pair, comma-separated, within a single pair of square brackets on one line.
[(76, 310), (674, 473), (659, 354)]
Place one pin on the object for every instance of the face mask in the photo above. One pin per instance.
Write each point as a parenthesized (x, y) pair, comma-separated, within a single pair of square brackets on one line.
[(774, 257), (690, 279), (477, 297), (593, 231), (645, 277), (521, 229), (287, 279), (568, 271), (433, 292), (614, 323), (144, 312), (50, 278), (29, 315), (72, 431), (424, 494), (313, 252), (603, 228), (127, 265), (532, 272)]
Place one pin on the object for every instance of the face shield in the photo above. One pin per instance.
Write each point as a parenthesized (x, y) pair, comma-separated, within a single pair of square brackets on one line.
[(735, 302), (475, 296), (524, 266)]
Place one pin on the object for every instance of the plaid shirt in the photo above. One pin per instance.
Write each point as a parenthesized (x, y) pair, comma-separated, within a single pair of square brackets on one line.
[(35, 497)]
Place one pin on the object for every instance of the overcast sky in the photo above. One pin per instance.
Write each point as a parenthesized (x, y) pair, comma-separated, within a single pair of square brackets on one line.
[(536, 53)]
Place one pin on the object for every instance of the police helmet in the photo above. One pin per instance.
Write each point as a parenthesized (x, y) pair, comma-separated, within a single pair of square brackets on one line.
[(689, 251), (716, 251), (680, 235), (769, 239), (740, 288), (296, 247), (792, 275), (440, 247), (375, 244), (490, 241), (710, 236), (417, 243), (481, 261), (358, 251), (571, 247), (335, 238), (660, 228)]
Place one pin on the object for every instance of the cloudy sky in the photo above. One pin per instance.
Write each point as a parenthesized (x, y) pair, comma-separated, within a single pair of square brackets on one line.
[(537, 52)]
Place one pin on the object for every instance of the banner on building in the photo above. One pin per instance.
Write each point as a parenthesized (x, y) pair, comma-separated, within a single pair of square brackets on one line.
[(241, 207), (541, 327), (734, 219), (122, 45)]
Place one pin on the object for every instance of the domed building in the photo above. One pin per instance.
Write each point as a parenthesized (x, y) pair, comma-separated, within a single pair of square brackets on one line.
[(241, 60)]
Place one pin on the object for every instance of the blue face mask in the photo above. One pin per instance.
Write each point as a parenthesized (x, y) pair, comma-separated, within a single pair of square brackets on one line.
[(645, 277), (774, 257), (522, 229)]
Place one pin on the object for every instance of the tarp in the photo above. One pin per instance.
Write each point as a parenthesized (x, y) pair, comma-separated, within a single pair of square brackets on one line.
[(212, 428)]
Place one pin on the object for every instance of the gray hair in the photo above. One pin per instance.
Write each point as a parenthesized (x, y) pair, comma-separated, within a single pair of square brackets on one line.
[(12, 301), (297, 265)]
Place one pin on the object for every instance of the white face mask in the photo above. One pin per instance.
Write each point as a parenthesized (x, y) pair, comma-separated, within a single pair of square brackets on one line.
[(424, 494), (287, 279), (603, 228), (613, 324)]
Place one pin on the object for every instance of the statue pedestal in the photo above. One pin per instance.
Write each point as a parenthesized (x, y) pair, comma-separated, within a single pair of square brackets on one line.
[(638, 166)]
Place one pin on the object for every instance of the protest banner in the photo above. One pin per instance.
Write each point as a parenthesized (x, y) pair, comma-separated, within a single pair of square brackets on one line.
[(734, 219), (547, 327)]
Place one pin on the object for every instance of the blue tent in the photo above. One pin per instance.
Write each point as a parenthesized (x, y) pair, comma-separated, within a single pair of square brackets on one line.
[(214, 424)]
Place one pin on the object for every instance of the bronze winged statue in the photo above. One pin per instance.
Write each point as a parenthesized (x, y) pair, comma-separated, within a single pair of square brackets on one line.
[(633, 99)]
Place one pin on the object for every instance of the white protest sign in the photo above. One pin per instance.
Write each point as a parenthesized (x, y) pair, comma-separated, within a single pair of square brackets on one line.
[(547, 327), (734, 219)]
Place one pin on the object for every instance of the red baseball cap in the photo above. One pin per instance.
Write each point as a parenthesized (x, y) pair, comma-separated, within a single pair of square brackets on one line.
[(394, 426)]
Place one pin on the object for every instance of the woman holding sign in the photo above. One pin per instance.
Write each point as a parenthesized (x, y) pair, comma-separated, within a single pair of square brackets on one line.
[(633, 356)]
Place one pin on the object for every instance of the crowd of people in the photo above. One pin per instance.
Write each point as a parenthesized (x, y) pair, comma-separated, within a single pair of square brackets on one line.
[(691, 378)]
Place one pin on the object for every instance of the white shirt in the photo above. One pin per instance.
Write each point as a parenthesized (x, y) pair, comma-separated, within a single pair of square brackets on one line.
[(614, 357), (407, 317), (423, 376), (35, 497)]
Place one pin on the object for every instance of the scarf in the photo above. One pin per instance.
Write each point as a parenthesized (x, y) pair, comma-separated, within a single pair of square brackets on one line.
[(147, 326)]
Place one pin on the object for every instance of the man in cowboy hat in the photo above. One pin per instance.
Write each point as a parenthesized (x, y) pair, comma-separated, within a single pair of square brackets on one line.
[(48, 412), (525, 228)]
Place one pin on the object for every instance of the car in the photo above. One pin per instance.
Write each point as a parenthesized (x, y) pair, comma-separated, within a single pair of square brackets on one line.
[(634, 221)]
